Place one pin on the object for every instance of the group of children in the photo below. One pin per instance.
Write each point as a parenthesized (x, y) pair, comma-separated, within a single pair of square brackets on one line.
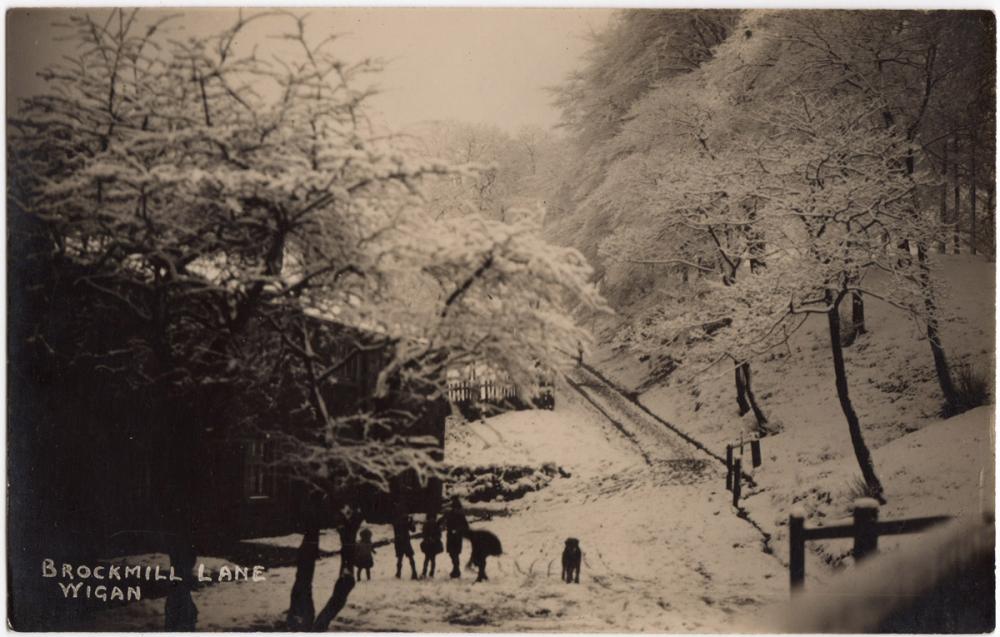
[(454, 521)]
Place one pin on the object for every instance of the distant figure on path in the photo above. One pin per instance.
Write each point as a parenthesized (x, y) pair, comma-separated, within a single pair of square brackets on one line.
[(484, 544), (431, 544), (364, 551), (454, 520), (402, 526)]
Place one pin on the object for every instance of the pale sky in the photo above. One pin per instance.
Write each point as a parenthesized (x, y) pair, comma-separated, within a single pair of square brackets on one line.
[(475, 65)]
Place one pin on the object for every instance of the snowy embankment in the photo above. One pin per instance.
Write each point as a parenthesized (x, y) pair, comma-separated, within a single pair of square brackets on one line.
[(928, 465), (662, 551)]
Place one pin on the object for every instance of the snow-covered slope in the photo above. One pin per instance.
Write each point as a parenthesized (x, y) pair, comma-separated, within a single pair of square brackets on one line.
[(928, 465), (572, 436)]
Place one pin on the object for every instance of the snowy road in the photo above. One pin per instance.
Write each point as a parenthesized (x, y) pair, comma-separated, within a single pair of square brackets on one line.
[(663, 550), (652, 440)]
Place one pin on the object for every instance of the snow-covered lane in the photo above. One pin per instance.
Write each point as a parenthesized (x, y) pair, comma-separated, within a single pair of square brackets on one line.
[(663, 550)]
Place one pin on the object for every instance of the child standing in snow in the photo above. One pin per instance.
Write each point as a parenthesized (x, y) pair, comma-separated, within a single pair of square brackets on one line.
[(431, 544), (402, 525), (457, 525), (364, 551)]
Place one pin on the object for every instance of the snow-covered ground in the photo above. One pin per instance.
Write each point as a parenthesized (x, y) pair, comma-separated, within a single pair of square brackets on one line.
[(928, 465), (662, 548)]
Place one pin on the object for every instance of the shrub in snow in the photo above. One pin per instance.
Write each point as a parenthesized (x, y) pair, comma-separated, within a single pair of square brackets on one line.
[(486, 483), (858, 488), (972, 387)]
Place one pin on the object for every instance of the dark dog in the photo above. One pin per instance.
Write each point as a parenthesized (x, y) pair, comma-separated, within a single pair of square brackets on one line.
[(484, 544), (571, 561)]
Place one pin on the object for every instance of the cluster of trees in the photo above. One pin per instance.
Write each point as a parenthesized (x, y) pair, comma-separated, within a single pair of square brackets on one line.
[(221, 201), (515, 172), (769, 165)]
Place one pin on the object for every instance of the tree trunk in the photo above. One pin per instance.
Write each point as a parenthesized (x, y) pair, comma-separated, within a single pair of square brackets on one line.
[(341, 590), (301, 610), (348, 532), (972, 190), (756, 241), (741, 390), (861, 451), (757, 411), (180, 613), (933, 335), (958, 202), (942, 241), (858, 313), (991, 213), (179, 494)]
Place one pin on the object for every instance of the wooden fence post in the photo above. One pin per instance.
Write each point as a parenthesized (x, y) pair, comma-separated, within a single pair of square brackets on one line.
[(865, 527), (796, 549), (755, 452), (737, 478), (729, 467)]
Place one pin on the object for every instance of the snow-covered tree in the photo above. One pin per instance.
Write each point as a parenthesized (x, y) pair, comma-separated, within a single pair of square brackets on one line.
[(835, 195), (502, 166), (639, 50), (898, 64), (227, 204), (839, 184), (772, 178), (684, 199)]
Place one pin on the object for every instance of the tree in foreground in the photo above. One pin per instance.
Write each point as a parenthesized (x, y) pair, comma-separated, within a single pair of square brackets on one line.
[(222, 205)]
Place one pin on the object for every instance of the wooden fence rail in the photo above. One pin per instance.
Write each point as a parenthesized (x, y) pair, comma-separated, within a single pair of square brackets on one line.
[(466, 391), (469, 393), (734, 467), (865, 530)]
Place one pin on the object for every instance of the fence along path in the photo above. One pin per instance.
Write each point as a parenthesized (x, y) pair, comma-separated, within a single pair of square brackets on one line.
[(472, 393), (942, 582), (481, 390), (865, 530)]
